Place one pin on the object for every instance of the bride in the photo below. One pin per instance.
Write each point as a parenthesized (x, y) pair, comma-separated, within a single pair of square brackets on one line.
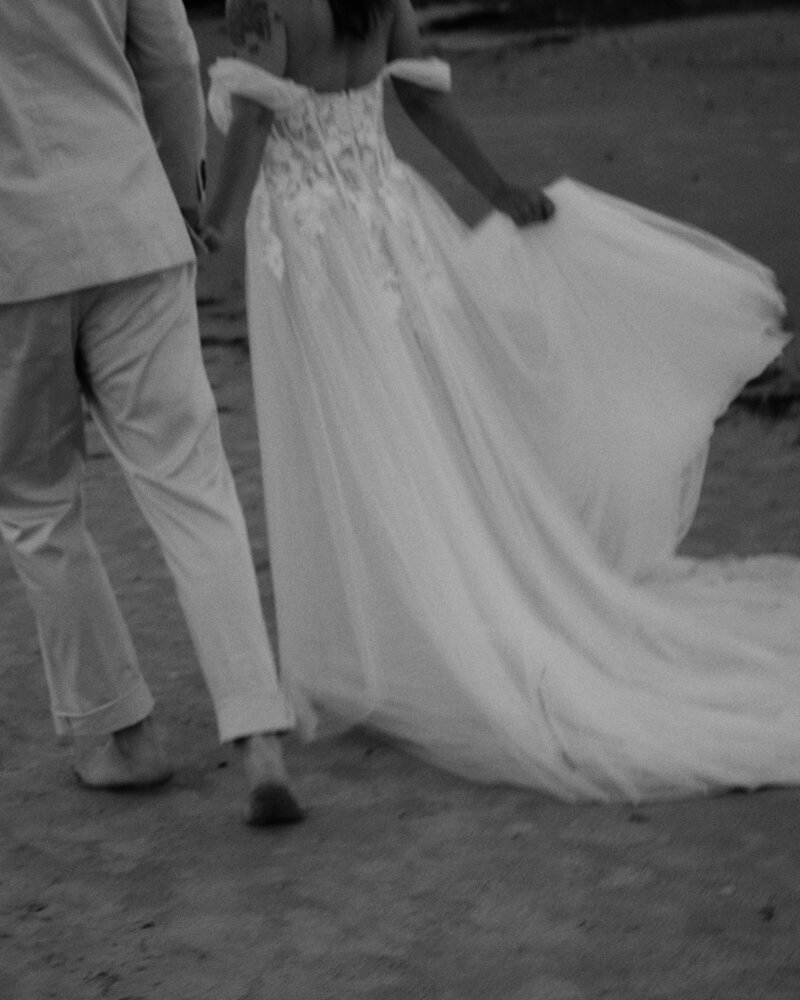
[(481, 447)]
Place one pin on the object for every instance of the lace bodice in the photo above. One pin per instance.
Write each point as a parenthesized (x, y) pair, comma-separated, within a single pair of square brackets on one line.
[(320, 142), (323, 148)]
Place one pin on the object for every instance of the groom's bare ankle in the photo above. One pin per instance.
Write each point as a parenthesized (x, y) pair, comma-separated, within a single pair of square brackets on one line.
[(270, 800), (130, 757)]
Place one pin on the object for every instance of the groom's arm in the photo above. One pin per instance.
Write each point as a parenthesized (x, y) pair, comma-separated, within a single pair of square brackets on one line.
[(162, 52)]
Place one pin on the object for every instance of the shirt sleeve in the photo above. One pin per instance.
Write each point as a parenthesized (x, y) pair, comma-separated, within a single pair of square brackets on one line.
[(162, 52)]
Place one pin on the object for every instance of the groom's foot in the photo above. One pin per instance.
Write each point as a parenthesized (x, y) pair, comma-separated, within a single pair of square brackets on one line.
[(128, 758), (270, 801)]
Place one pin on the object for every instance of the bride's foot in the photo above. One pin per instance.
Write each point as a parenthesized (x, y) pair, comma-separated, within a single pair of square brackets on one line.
[(270, 801), (128, 758)]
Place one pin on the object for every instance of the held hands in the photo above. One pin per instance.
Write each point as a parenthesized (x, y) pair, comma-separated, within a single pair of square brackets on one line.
[(205, 238), (211, 237), (524, 206)]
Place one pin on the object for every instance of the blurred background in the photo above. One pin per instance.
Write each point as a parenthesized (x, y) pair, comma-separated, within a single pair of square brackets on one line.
[(527, 14)]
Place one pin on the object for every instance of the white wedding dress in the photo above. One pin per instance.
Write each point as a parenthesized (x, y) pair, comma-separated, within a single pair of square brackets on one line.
[(480, 450)]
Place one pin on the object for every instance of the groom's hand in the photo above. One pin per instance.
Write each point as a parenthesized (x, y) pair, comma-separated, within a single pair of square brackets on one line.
[(191, 218), (205, 239), (212, 238)]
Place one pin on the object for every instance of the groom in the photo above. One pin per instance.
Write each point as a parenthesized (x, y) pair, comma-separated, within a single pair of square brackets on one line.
[(101, 140)]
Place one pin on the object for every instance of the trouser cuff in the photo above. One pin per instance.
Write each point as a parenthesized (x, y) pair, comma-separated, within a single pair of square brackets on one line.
[(245, 715), (125, 711)]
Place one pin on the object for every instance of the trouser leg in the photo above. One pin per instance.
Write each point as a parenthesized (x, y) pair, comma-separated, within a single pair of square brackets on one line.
[(151, 400), (90, 664)]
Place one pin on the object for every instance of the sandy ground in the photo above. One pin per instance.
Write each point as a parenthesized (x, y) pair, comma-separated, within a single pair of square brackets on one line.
[(405, 882)]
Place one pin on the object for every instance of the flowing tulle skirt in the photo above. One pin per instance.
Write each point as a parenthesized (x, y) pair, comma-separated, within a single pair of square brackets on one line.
[(481, 448)]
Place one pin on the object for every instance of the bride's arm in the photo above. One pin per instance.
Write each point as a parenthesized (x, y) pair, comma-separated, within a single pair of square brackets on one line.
[(238, 169), (258, 34), (436, 116)]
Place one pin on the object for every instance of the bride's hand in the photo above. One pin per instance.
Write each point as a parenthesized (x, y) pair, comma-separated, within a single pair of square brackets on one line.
[(205, 239), (213, 239), (523, 205)]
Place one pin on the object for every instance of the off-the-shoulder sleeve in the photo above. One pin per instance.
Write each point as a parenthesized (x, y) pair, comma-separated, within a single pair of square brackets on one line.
[(231, 77), (434, 74)]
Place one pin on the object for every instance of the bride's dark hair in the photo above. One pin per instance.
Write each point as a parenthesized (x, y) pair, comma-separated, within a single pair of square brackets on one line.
[(356, 18)]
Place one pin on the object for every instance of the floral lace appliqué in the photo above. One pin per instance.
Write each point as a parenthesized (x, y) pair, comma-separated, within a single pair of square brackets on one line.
[(331, 151), (270, 247)]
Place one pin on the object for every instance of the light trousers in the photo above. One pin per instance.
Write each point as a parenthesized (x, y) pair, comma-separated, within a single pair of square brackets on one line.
[(132, 350)]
